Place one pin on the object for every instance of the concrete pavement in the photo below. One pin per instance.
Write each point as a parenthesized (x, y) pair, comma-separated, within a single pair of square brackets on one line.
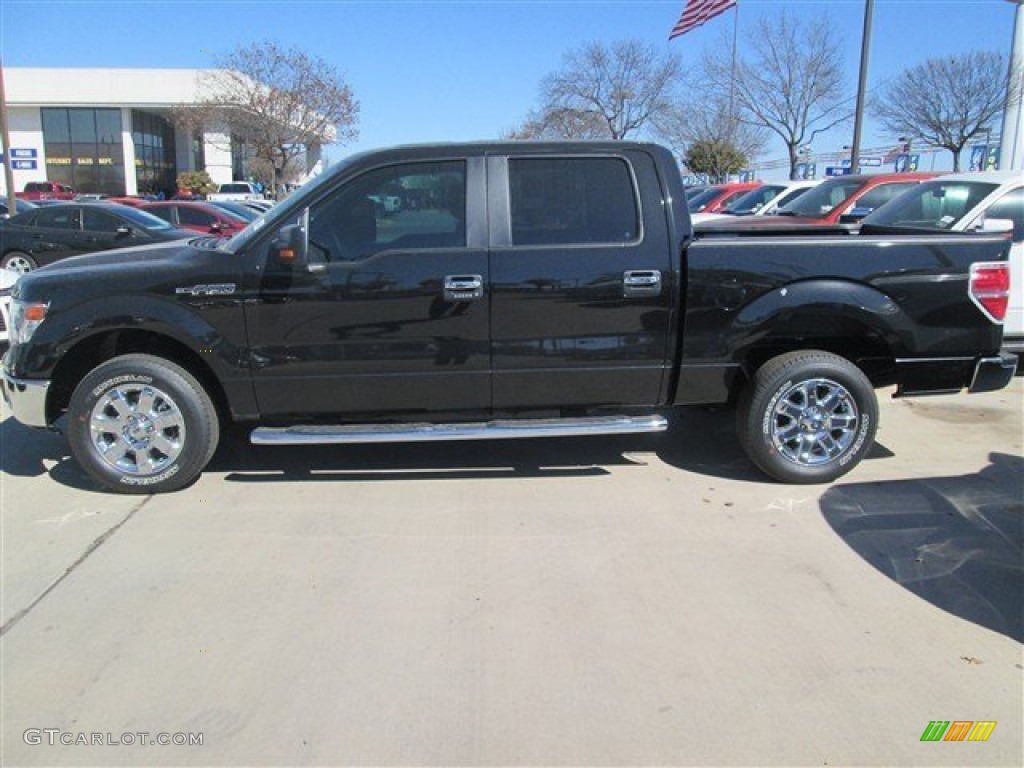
[(645, 600)]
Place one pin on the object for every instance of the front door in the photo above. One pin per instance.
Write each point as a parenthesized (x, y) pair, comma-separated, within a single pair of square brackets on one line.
[(391, 315), (583, 288)]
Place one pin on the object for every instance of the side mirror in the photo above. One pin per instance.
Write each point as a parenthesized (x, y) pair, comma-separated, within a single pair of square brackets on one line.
[(289, 246), (996, 226)]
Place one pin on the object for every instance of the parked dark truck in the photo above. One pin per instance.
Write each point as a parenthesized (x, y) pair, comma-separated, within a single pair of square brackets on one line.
[(519, 290)]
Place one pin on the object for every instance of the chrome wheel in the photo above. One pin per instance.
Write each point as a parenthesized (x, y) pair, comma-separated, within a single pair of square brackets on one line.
[(814, 422), (137, 429), (19, 264)]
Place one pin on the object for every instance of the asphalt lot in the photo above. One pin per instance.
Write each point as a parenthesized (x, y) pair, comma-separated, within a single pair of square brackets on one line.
[(644, 600)]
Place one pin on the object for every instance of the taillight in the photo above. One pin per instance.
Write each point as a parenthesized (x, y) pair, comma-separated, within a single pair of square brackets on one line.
[(990, 288)]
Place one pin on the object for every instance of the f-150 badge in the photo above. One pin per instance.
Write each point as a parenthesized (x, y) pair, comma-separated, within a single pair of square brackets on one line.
[(213, 289)]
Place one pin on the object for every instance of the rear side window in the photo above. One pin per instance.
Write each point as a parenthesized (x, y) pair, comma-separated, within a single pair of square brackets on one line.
[(58, 218), (564, 201)]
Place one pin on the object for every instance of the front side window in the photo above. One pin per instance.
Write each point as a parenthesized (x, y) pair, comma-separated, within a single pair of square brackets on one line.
[(195, 217), (882, 194), (402, 207), (564, 201), (98, 221)]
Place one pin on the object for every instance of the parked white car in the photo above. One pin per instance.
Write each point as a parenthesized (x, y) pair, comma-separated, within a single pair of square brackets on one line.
[(235, 191), (990, 201), (762, 201), (7, 281)]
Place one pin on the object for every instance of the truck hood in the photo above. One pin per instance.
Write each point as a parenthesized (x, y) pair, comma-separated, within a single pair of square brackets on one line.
[(158, 268)]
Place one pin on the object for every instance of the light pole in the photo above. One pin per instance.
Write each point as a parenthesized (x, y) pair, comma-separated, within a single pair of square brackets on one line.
[(1011, 144)]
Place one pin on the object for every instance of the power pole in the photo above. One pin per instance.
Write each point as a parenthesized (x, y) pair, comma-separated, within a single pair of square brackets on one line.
[(862, 84)]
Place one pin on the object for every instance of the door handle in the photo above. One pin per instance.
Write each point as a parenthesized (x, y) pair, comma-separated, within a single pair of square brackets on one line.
[(463, 287), (641, 282)]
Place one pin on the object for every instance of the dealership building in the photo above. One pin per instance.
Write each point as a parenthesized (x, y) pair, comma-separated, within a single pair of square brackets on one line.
[(112, 131)]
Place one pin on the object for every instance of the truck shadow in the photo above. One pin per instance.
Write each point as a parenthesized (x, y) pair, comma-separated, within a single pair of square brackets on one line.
[(954, 541), (699, 440), (714, 453)]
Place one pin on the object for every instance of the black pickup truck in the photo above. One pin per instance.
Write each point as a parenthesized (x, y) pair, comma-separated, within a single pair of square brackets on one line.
[(507, 290)]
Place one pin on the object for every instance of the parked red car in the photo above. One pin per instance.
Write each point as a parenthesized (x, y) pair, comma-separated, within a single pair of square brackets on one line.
[(840, 200), (46, 190), (197, 216), (717, 196)]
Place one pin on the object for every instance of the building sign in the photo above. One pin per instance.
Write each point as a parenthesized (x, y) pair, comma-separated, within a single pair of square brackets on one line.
[(23, 153), (23, 165)]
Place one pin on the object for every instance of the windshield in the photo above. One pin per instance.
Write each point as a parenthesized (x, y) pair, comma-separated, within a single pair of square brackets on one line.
[(700, 201), (142, 218), (933, 205), (752, 201), (238, 211), (822, 199)]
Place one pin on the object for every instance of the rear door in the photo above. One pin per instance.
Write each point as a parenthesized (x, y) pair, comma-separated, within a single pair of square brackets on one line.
[(582, 284), (55, 234)]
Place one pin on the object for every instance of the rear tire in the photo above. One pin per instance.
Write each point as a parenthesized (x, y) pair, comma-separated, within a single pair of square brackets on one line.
[(808, 417), (19, 262), (142, 424)]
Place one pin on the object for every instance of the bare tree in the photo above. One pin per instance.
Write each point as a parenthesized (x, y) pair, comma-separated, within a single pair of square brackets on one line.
[(707, 129), (560, 124), (603, 91), (947, 101), (277, 101), (792, 83)]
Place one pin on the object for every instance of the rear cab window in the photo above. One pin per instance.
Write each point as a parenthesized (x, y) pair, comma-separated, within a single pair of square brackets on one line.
[(573, 200)]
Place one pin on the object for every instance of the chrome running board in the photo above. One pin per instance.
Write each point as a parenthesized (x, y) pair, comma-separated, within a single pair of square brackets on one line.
[(479, 430)]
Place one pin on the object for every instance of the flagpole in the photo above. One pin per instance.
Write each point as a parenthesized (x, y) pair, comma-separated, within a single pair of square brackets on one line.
[(862, 82), (732, 80)]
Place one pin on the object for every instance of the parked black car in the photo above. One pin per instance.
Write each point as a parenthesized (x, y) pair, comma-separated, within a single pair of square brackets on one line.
[(38, 237)]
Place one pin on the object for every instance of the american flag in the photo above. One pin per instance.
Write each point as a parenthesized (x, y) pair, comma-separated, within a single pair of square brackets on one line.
[(697, 12)]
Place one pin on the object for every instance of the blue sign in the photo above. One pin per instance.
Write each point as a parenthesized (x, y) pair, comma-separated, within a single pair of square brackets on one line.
[(806, 170), (22, 153), (832, 170), (23, 165), (978, 153), (906, 163)]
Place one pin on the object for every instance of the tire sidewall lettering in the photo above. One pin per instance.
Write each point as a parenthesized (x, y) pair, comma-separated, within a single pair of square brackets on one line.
[(766, 418), (135, 378)]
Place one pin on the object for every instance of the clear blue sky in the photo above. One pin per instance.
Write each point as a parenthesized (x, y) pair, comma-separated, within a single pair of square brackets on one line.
[(463, 69)]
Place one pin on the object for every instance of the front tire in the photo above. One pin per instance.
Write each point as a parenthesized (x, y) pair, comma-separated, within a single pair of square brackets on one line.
[(142, 424), (808, 417)]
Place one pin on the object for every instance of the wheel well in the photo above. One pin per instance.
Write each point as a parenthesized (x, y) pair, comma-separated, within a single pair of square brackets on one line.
[(95, 350), (859, 344)]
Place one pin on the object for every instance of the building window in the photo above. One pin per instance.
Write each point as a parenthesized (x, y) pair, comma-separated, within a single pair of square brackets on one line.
[(84, 149), (155, 168)]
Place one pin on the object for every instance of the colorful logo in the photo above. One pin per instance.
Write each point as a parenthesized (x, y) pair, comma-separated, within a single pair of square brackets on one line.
[(958, 730)]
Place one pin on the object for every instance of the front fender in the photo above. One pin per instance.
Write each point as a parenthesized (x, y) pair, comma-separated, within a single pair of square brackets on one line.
[(212, 328)]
